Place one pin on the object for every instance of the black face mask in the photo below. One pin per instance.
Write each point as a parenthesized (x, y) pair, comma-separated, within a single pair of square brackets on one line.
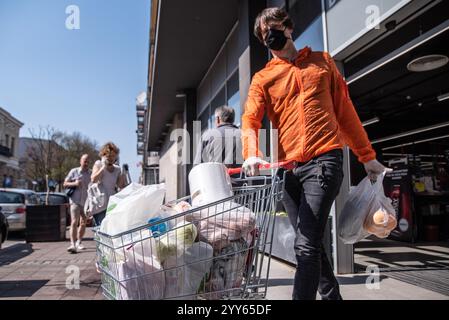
[(276, 40)]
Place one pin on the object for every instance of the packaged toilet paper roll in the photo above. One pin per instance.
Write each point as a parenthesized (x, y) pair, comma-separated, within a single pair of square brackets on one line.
[(209, 182)]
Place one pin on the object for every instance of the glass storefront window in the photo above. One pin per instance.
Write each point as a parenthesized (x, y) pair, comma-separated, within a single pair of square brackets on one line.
[(218, 101), (312, 36), (233, 99), (205, 119), (308, 31)]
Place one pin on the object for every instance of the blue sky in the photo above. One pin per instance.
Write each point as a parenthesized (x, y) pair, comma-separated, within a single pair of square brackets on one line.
[(82, 80)]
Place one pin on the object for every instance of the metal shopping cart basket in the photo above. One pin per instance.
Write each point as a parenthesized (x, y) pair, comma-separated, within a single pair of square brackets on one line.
[(221, 250)]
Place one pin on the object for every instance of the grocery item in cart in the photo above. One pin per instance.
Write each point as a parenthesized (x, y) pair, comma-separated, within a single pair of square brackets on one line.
[(134, 209), (209, 182), (186, 271), (175, 208), (157, 229), (136, 272), (176, 240), (228, 270), (225, 222), (116, 198)]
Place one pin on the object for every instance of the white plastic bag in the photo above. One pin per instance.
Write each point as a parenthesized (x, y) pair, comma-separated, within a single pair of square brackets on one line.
[(123, 194), (356, 221), (141, 276), (186, 271), (228, 270), (134, 210), (138, 273), (95, 201)]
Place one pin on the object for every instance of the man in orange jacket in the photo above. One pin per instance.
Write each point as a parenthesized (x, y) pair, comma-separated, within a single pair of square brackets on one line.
[(307, 101)]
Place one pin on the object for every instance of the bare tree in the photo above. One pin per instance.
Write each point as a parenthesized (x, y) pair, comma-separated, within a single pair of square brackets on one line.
[(53, 153), (42, 150)]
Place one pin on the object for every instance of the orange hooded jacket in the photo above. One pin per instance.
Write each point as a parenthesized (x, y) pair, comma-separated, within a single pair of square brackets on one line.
[(308, 103)]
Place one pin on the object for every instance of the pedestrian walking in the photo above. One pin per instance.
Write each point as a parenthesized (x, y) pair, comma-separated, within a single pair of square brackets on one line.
[(307, 101), (78, 179), (108, 175)]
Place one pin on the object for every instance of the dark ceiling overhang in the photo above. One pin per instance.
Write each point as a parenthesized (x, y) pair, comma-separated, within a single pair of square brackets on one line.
[(189, 36), (406, 101)]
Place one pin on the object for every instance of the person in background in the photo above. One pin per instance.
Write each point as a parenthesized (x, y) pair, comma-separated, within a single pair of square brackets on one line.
[(7, 181), (78, 178), (109, 176), (222, 144), (307, 101)]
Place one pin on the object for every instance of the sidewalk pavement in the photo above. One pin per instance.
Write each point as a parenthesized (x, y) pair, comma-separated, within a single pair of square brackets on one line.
[(352, 287), (37, 271)]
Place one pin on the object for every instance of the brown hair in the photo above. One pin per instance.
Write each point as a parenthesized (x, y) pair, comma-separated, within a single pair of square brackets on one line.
[(108, 148), (268, 16)]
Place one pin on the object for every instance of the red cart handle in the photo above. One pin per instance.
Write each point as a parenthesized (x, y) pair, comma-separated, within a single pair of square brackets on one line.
[(287, 165)]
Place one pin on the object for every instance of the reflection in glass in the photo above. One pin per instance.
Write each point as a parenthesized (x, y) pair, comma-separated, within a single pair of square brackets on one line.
[(234, 97), (205, 119), (218, 101), (312, 36), (234, 102)]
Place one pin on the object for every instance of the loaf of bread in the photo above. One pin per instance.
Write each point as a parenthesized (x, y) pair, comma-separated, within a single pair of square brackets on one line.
[(380, 217), (380, 223)]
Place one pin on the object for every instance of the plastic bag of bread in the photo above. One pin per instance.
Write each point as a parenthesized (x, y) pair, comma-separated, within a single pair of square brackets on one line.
[(366, 212), (381, 220)]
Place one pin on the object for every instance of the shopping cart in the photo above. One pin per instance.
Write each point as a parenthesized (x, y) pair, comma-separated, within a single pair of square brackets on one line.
[(221, 250)]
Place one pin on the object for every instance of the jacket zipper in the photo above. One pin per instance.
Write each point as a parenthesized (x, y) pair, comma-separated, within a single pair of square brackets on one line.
[(301, 113)]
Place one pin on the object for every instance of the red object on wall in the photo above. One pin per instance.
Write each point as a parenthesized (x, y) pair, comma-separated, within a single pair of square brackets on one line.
[(432, 233)]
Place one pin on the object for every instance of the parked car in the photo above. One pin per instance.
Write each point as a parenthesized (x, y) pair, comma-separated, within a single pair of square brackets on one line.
[(14, 204), (4, 228), (55, 198)]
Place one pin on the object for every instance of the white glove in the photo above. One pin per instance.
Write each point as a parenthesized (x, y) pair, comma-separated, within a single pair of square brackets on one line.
[(251, 166), (374, 168)]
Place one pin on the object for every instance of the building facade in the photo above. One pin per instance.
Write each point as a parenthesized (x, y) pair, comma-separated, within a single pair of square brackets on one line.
[(9, 145), (210, 61)]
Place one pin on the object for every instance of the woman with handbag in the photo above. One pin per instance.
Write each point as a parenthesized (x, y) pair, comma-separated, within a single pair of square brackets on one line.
[(107, 178)]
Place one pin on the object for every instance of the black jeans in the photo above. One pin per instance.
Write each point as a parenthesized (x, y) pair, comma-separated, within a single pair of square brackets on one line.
[(310, 190)]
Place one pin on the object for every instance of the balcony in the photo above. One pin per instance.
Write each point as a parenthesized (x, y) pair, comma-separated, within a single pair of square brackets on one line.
[(5, 151), (153, 159)]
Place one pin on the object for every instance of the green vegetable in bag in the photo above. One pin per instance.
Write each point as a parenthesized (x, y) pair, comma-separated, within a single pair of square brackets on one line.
[(177, 239)]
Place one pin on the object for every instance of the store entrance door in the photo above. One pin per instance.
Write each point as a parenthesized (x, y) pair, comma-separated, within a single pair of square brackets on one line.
[(403, 99)]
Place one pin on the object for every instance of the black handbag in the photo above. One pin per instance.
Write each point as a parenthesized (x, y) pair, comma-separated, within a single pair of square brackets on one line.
[(69, 191)]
